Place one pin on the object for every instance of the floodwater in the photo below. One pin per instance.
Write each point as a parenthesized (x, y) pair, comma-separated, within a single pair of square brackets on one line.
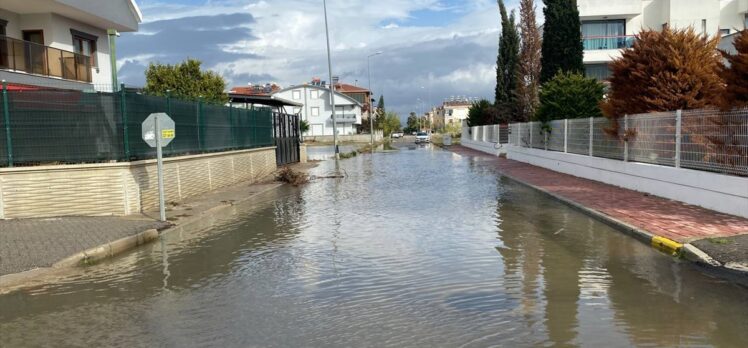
[(416, 248)]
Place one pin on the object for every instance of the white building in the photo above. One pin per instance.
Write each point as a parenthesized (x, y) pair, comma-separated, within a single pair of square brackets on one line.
[(452, 111), (610, 25), (62, 43), (317, 109)]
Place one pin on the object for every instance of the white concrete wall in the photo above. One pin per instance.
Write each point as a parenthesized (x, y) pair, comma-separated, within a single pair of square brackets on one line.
[(593, 8), (322, 123), (124, 188), (722, 193), (732, 16)]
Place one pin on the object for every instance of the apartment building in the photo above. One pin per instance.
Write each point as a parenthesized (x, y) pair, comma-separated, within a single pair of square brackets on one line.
[(608, 26), (61, 43), (316, 109)]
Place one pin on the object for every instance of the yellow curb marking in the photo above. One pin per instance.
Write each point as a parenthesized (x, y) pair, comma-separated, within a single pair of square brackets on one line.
[(667, 245)]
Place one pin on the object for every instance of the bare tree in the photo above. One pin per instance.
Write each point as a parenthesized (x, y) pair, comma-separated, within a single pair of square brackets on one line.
[(528, 74)]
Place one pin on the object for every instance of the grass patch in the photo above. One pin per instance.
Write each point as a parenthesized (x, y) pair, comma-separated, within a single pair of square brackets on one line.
[(720, 241)]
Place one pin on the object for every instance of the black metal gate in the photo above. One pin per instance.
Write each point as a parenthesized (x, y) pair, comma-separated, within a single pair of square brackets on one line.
[(286, 133)]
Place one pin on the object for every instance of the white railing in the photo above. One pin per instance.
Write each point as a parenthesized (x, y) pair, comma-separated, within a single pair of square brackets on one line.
[(708, 140)]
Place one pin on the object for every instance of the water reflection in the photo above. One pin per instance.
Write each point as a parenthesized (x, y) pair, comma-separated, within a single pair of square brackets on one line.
[(415, 248)]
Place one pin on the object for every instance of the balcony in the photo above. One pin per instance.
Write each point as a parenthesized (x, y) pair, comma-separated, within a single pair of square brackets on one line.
[(345, 118), (594, 43), (32, 58)]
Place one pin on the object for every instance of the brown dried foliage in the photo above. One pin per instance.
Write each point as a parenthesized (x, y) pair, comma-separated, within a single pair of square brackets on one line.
[(735, 74), (664, 71)]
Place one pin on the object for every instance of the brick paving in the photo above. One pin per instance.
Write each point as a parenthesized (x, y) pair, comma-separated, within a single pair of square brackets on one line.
[(663, 217), (32, 243)]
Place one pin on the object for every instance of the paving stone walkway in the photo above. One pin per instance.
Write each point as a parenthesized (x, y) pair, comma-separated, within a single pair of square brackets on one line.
[(33, 243), (663, 217)]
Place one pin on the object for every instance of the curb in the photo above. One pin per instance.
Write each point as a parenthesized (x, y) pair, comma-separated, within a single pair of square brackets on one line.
[(668, 246), (108, 250), (15, 281)]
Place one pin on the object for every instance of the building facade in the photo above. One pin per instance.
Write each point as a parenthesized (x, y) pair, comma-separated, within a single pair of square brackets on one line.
[(317, 109), (452, 111), (62, 43), (608, 26)]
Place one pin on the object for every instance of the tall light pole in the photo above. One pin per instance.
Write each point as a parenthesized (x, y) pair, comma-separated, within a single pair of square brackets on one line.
[(332, 86), (371, 106)]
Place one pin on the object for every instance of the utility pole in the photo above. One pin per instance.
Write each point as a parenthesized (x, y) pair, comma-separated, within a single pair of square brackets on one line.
[(332, 85), (371, 103)]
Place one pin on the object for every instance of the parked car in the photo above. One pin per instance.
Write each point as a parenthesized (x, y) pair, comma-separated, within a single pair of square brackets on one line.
[(397, 135), (422, 137)]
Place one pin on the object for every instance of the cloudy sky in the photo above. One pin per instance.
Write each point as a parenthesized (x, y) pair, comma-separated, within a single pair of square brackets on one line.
[(432, 49)]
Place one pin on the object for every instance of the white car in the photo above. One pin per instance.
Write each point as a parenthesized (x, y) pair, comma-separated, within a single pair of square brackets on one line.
[(422, 137), (397, 135)]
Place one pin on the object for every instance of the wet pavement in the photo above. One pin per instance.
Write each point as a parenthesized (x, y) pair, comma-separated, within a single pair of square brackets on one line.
[(420, 247)]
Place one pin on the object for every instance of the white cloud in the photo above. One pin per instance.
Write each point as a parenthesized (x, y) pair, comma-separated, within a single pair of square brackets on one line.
[(286, 41)]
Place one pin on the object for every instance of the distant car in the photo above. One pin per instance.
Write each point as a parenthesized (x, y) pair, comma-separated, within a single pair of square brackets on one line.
[(422, 137), (397, 135), (414, 133)]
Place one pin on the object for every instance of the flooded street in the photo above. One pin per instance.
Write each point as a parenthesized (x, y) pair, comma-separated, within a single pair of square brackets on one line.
[(419, 247)]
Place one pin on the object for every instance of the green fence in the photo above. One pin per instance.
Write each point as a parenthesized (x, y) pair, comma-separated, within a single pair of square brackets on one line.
[(59, 127)]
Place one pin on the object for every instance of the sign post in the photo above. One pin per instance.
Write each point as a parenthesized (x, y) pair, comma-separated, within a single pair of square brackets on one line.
[(158, 131)]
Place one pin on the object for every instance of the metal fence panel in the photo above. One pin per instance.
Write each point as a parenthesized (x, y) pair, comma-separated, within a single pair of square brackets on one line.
[(504, 133), (715, 141), (57, 126), (579, 136), (652, 138), (604, 144), (538, 136), (556, 135), (50, 127), (3, 139)]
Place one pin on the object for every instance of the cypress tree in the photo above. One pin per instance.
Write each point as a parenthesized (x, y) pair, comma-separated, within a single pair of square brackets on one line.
[(562, 39), (507, 65)]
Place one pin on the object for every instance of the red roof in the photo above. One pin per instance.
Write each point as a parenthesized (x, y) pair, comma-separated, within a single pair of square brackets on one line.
[(257, 90), (346, 88)]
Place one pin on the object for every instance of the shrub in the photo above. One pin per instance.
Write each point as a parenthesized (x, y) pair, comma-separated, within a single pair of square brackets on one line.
[(664, 71), (482, 113), (570, 95), (735, 74)]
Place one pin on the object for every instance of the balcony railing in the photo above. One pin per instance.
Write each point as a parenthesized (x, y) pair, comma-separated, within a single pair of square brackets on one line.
[(345, 118), (43, 60), (592, 43)]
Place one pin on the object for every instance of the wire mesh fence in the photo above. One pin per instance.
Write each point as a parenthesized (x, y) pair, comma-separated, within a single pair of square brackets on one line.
[(709, 140), (578, 136), (66, 127), (556, 132), (605, 144), (652, 138)]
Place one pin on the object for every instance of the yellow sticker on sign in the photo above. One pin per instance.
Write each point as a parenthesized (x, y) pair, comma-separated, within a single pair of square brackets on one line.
[(167, 134)]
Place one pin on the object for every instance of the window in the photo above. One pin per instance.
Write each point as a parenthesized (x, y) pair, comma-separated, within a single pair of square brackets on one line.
[(296, 94), (604, 35), (314, 94), (3, 23), (723, 32), (703, 26), (600, 72), (84, 44), (315, 111)]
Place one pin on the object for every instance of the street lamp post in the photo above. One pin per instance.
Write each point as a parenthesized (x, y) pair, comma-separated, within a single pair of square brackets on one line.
[(371, 106), (332, 85)]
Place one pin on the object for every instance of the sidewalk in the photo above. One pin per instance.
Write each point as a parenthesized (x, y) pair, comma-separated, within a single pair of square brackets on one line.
[(720, 235), (34, 244)]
